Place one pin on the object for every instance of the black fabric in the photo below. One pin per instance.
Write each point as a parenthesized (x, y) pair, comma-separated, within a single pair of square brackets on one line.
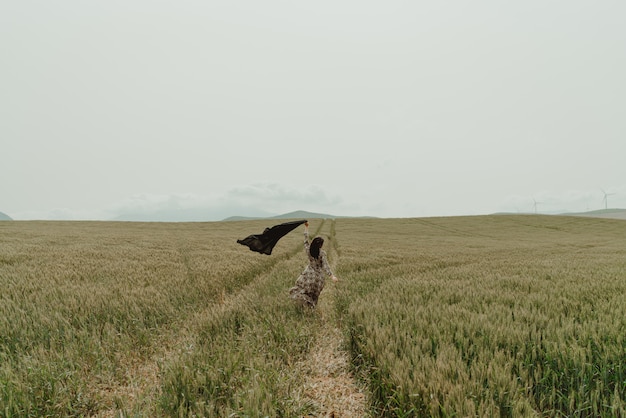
[(264, 243)]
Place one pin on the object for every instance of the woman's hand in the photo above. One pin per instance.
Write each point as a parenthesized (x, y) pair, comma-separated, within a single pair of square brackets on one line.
[(334, 278)]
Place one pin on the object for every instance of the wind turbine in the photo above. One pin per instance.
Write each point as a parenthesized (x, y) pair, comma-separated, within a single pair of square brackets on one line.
[(606, 198), (535, 203)]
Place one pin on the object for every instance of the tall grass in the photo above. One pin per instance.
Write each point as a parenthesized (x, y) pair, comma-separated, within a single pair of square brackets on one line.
[(478, 316), (81, 303), (488, 316)]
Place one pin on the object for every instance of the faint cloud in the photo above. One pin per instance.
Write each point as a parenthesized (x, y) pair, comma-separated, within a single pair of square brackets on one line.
[(59, 214), (171, 208), (279, 198), (257, 200)]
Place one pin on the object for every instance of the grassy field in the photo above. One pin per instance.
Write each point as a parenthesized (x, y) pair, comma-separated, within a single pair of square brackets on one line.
[(475, 316)]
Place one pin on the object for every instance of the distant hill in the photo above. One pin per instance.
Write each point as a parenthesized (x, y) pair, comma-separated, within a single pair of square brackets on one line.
[(5, 217), (299, 214), (602, 213)]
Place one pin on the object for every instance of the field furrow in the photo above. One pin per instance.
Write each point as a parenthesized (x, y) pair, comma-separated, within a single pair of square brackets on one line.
[(329, 384)]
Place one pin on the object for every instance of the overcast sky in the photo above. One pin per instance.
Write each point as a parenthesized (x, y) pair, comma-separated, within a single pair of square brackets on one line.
[(381, 108)]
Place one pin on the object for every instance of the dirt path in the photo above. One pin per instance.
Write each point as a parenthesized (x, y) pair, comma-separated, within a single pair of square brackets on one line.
[(330, 386)]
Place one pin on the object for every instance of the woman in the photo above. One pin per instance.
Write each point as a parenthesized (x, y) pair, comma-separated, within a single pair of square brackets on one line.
[(311, 282)]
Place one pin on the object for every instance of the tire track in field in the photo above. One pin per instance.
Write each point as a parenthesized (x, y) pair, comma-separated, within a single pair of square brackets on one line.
[(140, 388), (329, 385)]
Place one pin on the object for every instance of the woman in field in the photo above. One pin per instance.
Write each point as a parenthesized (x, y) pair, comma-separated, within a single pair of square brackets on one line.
[(311, 282)]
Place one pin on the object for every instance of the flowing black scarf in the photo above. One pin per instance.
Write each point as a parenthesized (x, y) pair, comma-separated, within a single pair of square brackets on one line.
[(264, 243)]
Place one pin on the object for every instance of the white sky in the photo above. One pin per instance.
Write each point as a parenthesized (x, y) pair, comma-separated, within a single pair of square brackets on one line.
[(381, 108)]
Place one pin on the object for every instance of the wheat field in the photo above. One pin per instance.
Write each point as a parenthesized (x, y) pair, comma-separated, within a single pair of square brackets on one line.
[(465, 316)]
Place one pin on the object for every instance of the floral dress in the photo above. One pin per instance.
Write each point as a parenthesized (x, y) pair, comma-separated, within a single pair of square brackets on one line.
[(311, 282)]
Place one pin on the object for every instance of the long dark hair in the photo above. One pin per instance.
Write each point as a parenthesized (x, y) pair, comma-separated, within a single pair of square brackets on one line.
[(314, 249)]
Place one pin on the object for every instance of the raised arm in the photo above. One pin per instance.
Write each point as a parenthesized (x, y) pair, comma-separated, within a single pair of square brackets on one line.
[(306, 237)]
